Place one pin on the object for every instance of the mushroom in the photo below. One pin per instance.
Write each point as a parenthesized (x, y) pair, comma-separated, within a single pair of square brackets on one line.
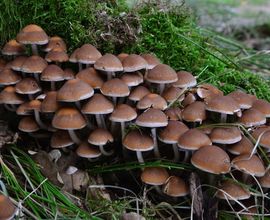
[(152, 100), (61, 139), (91, 77), (55, 42), (7, 208), (252, 117), (13, 48), (132, 79), (263, 133), (134, 62), (185, 80), (17, 63), (244, 100), (151, 60), (52, 73), (174, 113), (138, 93), (223, 135), (265, 180), (244, 146), (173, 94), (85, 150), (175, 187), (263, 106), (57, 56), (195, 112), (9, 77), (28, 86), (10, 98)]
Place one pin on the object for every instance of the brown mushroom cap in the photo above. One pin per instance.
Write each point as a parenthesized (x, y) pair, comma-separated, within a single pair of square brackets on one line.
[(193, 139), (23, 109), (61, 139), (174, 113), (50, 104), (223, 104), (56, 55), (73, 56), (154, 176), (265, 180), (3, 63), (185, 80), (138, 141), (263, 106), (27, 86), (175, 187), (189, 98), (244, 146), (195, 112), (123, 113), (152, 118), (32, 34), (251, 165), (34, 64), (68, 119), (161, 73), (151, 60), (115, 88), (87, 151), (108, 63), (52, 73), (171, 133), (132, 79), (98, 104), (7, 208), (87, 54), (9, 77), (134, 62), (152, 100), (74, 90), (211, 159), (55, 42), (208, 91), (28, 124), (172, 94), (122, 56), (252, 117), (9, 96), (100, 136), (234, 191), (244, 100), (91, 76), (265, 138), (226, 135), (69, 74), (138, 93), (17, 63), (13, 48)]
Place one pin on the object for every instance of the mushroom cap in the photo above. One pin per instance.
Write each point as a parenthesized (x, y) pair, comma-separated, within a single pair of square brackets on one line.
[(174, 113), (87, 54), (223, 135), (208, 91), (211, 159), (172, 94), (73, 56), (171, 133), (91, 77), (193, 139), (223, 104), (32, 34), (195, 112), (9, 96), (152, 100), (244, 100), (134, 62), (251, 165), (115, 88), (74, 90), (23, 109), (98, 104), (252, 117), (52, 73), (34, 64), (122, 56), (28, 124), (3, 64), (55, 42), (265, 138), (17, 63), (152, 118), (68, 119), (138, 93), (100, 136), (151, 60), (69, 74), (244, 146), (235, 191), (132, 79), (185, 80), (7, 208), (155, 176), (175, 187), (189, 98), (50, 104), (9, 77), (61, 139), (34, 105), (263, 106), (123, 113), (108, 63), (56, 55), (87, 151), (12, 47), (161, 73), (138, 141), (27, 86), (265, 180)]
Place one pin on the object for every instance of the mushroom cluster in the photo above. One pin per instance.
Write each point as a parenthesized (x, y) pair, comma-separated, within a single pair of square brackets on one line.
[(93, 103)]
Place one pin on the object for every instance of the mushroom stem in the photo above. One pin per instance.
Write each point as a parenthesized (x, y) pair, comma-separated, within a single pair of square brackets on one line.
[(53, 87), (30, 96), (74, 137), (78, 104), (123, 130), (103, 121), (114, 100), (187, 156), (80, 67), (104, 152), (34, 49), (161, 88), (154, 135), (223, 118), (9, 107), (38, 120), (99, 121), (157, 188), (175, 152), (139, 156), (89, 124), (36, 77)]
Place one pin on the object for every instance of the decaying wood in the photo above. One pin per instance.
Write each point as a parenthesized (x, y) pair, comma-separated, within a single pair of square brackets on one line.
[(6, 135)]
